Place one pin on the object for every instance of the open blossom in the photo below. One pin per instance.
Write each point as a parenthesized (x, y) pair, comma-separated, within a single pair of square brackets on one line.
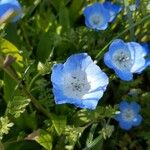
[(129, 115), (126, 58), (10, 9), (98, 15), (78, 81)]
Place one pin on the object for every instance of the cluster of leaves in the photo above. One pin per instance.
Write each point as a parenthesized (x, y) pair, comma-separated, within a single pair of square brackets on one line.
[(48, 33)]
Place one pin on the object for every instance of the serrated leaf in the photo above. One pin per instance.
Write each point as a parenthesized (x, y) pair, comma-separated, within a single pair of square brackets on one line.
[(59, 123), (45, 140), (5, 126), (17, 106)]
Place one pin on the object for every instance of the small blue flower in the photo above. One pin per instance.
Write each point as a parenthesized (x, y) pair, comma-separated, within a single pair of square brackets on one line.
[(113, 9), (129, 115), (126, 58), (98, 15), (78, 81), (10, 6)]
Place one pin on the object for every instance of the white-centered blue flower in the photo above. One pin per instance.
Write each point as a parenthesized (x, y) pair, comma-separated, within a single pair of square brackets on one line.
[(96, 16), (78, 81), (126, 58), (9, 8), (129, 115)]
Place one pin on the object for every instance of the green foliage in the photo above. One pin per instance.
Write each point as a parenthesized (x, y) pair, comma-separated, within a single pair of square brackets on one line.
[(5, 126), (44, 139), (49, 32), (17, 106)]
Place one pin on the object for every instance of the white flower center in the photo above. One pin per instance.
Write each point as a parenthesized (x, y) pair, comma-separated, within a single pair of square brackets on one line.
[(122, 59), (96, 19), (75, 84), (128, 114)]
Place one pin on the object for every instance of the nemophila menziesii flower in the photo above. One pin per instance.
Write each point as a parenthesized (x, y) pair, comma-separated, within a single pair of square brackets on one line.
[(96, 16), (126, 58), (113, 9), (78, 81), (10, 7), (129, 115)]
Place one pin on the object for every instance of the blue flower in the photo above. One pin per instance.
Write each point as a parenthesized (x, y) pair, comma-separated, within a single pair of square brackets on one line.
[(78, 81), (113, 9), (126, 58), (98, 15), (8, 8), (129, 115)]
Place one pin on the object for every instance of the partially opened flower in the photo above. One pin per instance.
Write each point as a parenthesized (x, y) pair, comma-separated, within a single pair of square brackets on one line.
[(126, 58), (96, 16), (78, 81), (129, 115), (113, 9), (10, 9)]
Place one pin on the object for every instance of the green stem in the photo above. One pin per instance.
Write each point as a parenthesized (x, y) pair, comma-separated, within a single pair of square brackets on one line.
[(32, 81), (99, 55), (35, 102)]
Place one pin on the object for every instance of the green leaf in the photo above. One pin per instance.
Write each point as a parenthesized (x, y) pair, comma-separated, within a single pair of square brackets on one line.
[(17, 106), (64, 19), (44, 47), (8, 48), (45, 140), (5, 126), (59, 123), (74, 10)]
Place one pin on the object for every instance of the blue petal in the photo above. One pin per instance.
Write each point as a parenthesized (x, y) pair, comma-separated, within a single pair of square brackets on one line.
[(135, 107), (107, 60), (6, 5), (96, 77), (124, 75), (77, 62), (123, 105), (57, 72), (93, 95), (113, 9), (137, 54), (118, 117), (137, 120), (115, 45), (125, 125)]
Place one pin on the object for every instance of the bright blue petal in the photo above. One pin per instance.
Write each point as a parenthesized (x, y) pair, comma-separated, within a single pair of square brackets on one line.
[(6, 5), (57, 73), (137, 53), (118, 117), (77, 62), (116, 45), (137, 120), (113, 9), (125, 125), (123, 105), (135, 107), (124, 75), (96, 77), (107, 60)]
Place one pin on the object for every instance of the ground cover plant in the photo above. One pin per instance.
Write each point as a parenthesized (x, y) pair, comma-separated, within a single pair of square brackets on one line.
[(74, 74)]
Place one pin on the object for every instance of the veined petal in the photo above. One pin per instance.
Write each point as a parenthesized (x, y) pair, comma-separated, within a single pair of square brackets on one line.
[(123, 105), (125, 125), (137, 120), (135, 107)]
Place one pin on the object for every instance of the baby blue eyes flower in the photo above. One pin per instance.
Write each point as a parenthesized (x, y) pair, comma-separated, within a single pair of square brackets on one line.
[(78, 81), (8, 8), (126, 58), (129, 115), (98, 15)]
